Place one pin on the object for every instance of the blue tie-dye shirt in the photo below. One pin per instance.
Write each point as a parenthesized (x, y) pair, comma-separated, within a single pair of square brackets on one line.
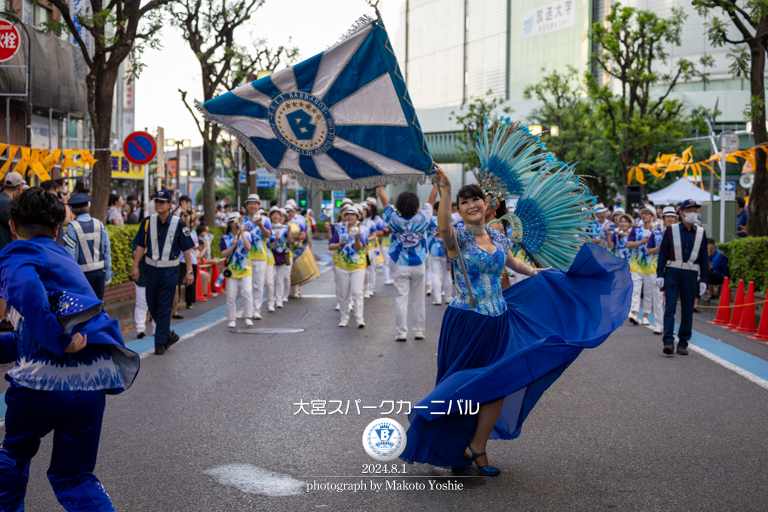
[(409, 241), (435, 243)]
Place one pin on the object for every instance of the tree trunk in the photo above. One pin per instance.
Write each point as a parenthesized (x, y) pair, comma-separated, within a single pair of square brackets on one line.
[(209, 187), (101, 118), (758, 200)]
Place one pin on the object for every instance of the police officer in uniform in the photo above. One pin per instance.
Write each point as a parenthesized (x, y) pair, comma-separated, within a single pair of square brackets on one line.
[(682, 273), (87, 241), (160, 239)]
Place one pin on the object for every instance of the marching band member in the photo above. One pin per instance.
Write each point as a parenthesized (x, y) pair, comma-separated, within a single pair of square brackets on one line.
[(294, 217), (260, 228), (280, 245), (235, 247), (349, 244), (409, 250)]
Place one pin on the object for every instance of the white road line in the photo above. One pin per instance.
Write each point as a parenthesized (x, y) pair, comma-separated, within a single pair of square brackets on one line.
[(722, 362), (187, 336)]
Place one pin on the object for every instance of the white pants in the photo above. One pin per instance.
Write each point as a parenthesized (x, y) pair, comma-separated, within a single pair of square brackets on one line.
[(653, 301), (259, 269), (295, 288), (389, 267), (409, 284), (269, 278), (140, 311), (243, 286), (280, 283), (441, 278), (349, 287), (370, 272), (287, 282)]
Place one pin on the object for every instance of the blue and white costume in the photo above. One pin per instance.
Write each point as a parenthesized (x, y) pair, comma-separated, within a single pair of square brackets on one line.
[(409, 252), (50, 299), (442, 287), (88, 243)]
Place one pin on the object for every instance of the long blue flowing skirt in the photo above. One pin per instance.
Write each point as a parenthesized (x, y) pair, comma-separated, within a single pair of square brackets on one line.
[(550, 319)]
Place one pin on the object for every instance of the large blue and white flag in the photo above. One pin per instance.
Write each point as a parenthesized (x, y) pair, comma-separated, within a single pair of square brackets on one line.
[(341, 119)]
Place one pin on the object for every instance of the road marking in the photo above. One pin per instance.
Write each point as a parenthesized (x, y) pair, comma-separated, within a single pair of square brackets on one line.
[(255, 480)]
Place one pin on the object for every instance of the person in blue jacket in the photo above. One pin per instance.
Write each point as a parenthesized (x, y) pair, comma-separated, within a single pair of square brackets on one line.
[(718, 268), (69, 355)]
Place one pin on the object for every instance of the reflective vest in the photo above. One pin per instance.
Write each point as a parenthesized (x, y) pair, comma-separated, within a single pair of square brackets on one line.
[(90, 245), (162, 260), (677, 250)]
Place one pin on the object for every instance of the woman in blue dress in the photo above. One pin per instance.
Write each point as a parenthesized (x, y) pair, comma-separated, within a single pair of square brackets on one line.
[(502, 350)]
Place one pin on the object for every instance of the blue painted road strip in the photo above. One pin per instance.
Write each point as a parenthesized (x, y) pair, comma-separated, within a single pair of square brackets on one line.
[(148, 343)]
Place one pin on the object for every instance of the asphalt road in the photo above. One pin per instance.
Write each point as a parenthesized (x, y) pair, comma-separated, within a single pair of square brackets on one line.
[(212, 425)]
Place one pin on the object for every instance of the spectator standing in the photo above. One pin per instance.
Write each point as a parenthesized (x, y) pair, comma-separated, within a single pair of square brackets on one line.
[(12, 185), (718, 268), (115, 210), (87, 241), (742, 217), (189, 291)]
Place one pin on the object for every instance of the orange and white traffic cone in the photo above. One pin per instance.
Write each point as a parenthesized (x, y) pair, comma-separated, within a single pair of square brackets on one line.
[(747, 322), (724, 308), (738, 307)]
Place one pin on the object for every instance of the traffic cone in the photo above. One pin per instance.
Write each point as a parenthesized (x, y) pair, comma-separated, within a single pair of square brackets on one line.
[(738, 307), (199, 296), (208, 290), (762, 330), (724, 308), (747, 323)]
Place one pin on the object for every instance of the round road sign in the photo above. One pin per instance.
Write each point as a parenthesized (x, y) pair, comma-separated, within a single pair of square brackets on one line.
[(139, 148), (9, 40)]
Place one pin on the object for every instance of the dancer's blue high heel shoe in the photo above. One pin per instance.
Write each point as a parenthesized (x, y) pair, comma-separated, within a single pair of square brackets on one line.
[(481, 470)]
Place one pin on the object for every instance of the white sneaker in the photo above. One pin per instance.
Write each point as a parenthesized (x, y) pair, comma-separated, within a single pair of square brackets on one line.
[(367, 296), (271, 308), (232, 324), (633, 318), (419, 336), (240, 314), (448, 300), (280, 305), (645, 321), (658, 330), (401, 337), (361, 325), (248, 322), (256, 315), (337, 308), (343, 323), (437, 303), (429, 292)]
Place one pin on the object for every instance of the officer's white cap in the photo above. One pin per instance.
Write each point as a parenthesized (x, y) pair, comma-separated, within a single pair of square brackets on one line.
[(253, 197)]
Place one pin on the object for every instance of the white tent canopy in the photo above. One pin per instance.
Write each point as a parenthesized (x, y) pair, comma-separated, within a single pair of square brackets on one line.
[(678, 192)]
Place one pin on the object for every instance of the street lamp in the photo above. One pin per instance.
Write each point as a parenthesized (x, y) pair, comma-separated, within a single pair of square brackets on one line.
[(179, 143)]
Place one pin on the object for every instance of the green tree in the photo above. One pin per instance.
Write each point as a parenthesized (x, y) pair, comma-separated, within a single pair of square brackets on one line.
[(565, 105), (209, 28), (472, 121), (633, 104), (749, 45), (119, 28)]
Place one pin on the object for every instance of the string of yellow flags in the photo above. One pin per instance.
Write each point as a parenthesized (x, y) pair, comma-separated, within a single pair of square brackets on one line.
[(674, 163), (40, 162)]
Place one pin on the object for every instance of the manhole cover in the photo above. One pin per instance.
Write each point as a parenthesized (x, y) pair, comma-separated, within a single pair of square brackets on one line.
[(274, 330)]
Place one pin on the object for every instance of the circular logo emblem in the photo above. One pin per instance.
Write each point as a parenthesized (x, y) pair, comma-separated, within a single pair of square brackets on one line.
[(302, 122), (409, 239), (384, 439)]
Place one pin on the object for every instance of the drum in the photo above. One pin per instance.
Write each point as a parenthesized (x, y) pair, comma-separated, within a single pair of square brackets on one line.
[(304, 268)]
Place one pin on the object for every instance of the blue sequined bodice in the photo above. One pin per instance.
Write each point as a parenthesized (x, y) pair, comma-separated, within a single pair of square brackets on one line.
[(484, 272)]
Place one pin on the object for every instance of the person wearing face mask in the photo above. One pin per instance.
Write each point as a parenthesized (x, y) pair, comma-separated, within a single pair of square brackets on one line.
[(683, 257)]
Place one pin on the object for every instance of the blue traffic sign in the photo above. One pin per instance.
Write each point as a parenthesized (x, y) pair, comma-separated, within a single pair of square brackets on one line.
[(139, 148), (729, 186)]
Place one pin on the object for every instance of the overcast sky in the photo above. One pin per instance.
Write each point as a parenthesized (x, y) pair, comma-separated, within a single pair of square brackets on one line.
[(311, 25)]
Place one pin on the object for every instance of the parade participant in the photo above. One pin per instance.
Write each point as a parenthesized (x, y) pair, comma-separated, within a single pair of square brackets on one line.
[(161, 238), (643, 244), (718, 268), (438, 264), (369, 221), (190, 294), (496, 345), (409, 252), (87, 241), (261, 229), (294, 217), (69, 356), (269, 276), (235, 247), (311, 220), (683, 258), (603, 222), (280, 242), (617, 240), (292, 249), (349, 246)]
